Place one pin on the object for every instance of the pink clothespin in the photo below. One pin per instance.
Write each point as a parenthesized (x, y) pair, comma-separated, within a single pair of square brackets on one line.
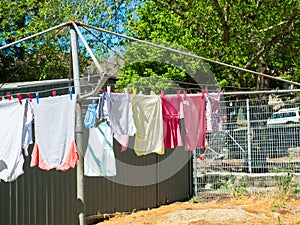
[(162, 93), (53, 93), (29, 96), (20, 98), (202, 94), (184, 94), (8, 96), (128, 92), (219, 92)]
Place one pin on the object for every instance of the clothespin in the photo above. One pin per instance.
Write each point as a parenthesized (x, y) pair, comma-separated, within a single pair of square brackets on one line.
[(71, 92), (219, 92), (37, 96), (53, 93), (20, 98), (134, 93), (108, 90), (202, 94), (184, 94), (117, 91), (8, 96), (103, 90), (29, 96), (128, 91), (162, 93)]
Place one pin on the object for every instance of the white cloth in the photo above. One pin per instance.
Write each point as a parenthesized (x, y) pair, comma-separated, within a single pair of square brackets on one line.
[(11, 129), (27, 128), (147, 114), (213, 113), (54, 133), (99, 158), (120, 114)]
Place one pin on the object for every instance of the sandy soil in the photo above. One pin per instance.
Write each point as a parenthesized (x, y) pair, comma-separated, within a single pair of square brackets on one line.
[(218, 212)]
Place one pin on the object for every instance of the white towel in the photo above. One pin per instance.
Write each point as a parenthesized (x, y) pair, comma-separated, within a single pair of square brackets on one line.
[(11, 129), (99, 158), (54, 133)]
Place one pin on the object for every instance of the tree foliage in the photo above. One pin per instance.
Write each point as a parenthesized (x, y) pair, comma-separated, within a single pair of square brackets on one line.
[(263, 36), (47, 56)]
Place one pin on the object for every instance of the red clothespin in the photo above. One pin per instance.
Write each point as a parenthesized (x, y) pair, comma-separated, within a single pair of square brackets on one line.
[(53, 93), (8, 96), (29, 96), (202, 94), (20, 98), (103, 90), (117, 91), (162, 93), (128, 92)]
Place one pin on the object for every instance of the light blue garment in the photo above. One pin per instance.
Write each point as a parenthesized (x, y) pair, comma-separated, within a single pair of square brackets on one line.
[(90, 116)]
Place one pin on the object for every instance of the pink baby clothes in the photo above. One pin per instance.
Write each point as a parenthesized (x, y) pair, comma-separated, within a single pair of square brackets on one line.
[(194, 120), (171, 121)]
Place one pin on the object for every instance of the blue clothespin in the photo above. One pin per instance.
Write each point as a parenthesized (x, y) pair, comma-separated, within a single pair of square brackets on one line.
[(71, 92), (37, 96)]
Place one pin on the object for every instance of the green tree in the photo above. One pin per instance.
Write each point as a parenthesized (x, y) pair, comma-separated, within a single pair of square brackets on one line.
[(259, 35), (47, 56)]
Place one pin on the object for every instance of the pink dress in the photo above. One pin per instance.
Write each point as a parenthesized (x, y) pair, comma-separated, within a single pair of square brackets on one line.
[(195, 121), (171, 121)]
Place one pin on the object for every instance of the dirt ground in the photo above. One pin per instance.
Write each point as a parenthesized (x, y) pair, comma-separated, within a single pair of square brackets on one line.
[(216, 212)]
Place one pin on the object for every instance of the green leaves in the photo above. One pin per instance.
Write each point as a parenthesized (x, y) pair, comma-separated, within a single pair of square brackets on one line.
[(259, 35)]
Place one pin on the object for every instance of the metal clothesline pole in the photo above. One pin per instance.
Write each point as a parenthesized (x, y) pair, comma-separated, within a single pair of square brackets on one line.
[(34, 35), (78, 130)]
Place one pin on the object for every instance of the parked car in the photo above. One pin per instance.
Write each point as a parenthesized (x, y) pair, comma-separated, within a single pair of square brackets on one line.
[(285, 116)]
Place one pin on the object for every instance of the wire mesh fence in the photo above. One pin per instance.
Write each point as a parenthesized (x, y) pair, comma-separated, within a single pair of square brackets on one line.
[(257, 148)]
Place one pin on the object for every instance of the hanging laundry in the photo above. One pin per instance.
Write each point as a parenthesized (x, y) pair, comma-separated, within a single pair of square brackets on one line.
[(54, 133), (11, 131), (194, 120), (102, 110), (27, 127), (147, 114), (213, 113), (171, 121), (99, 158), (121, 118), (91, 115)]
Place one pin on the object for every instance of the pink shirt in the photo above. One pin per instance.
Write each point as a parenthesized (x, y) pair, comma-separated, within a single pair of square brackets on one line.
[(171, 121), (195, 122)]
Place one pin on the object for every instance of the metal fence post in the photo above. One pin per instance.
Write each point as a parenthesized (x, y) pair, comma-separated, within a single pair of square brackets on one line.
[(249, 135), (195, 172)]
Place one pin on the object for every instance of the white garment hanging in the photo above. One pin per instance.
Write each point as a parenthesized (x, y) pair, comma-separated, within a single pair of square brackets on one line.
[(11, 130), (99, 158), (54, 133)]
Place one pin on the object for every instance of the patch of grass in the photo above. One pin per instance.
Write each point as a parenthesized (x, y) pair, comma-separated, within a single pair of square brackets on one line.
[(238, 188)]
